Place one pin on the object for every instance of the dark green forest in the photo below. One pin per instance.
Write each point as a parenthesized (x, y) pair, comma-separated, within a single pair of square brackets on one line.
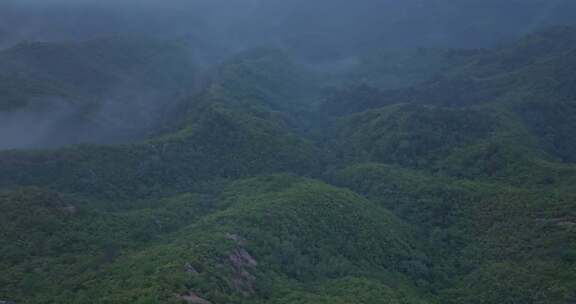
[(132, 173)]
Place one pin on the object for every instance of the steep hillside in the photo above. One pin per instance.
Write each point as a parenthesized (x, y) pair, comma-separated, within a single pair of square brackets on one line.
[(101, 90), (270, 239), (490, 243), (529, 82), (219, 136), (491, 178)]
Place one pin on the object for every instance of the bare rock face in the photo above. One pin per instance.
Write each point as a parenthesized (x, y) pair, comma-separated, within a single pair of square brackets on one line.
[(240, 258), (235, 268), (240, 241), (191, 297), (243, 282), (241, 279), (562, 222), (68, 210), (191, 269)]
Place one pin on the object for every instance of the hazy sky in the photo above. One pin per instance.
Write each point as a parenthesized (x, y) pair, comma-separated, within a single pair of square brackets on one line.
[(297, 24)]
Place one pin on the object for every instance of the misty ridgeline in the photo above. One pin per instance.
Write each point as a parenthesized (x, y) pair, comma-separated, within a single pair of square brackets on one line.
[(288, 152)]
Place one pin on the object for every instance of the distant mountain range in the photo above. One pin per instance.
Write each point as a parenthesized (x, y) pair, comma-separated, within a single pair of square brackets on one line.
[(322, 29), (418, 176)]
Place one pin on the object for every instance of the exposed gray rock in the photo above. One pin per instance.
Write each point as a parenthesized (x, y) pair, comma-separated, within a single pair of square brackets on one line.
[(190, 269), (236, 238), (241, 258), (191, 297), (241, 279)]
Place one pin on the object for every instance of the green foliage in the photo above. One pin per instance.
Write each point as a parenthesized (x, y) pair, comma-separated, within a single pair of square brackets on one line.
[(414, 135), (217, 140), (512, 283), (263, 234), (352, 290), (311, 222), (50, 241), (263, 78), (470, 226), (553, 122), (224, 144)]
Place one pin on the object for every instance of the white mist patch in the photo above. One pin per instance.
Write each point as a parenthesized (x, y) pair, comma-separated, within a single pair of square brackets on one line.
[(31, 128)]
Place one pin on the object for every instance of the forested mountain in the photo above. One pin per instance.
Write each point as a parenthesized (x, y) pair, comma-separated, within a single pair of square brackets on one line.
[(436, 174), (101, 90)]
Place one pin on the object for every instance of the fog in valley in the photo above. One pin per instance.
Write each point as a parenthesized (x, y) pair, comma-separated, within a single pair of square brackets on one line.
[(51, 49)]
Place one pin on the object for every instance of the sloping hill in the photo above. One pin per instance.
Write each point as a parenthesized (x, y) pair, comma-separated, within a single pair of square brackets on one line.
[(100, 90), (494, 185), (271, 239), (528, 82), (218, 135), (490, 243)]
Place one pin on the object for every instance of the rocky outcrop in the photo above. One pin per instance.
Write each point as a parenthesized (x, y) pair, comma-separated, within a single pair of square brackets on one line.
[(241, 280), (189, 268), (191, 297), (236, 269), (240, 241), (240, 258)]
